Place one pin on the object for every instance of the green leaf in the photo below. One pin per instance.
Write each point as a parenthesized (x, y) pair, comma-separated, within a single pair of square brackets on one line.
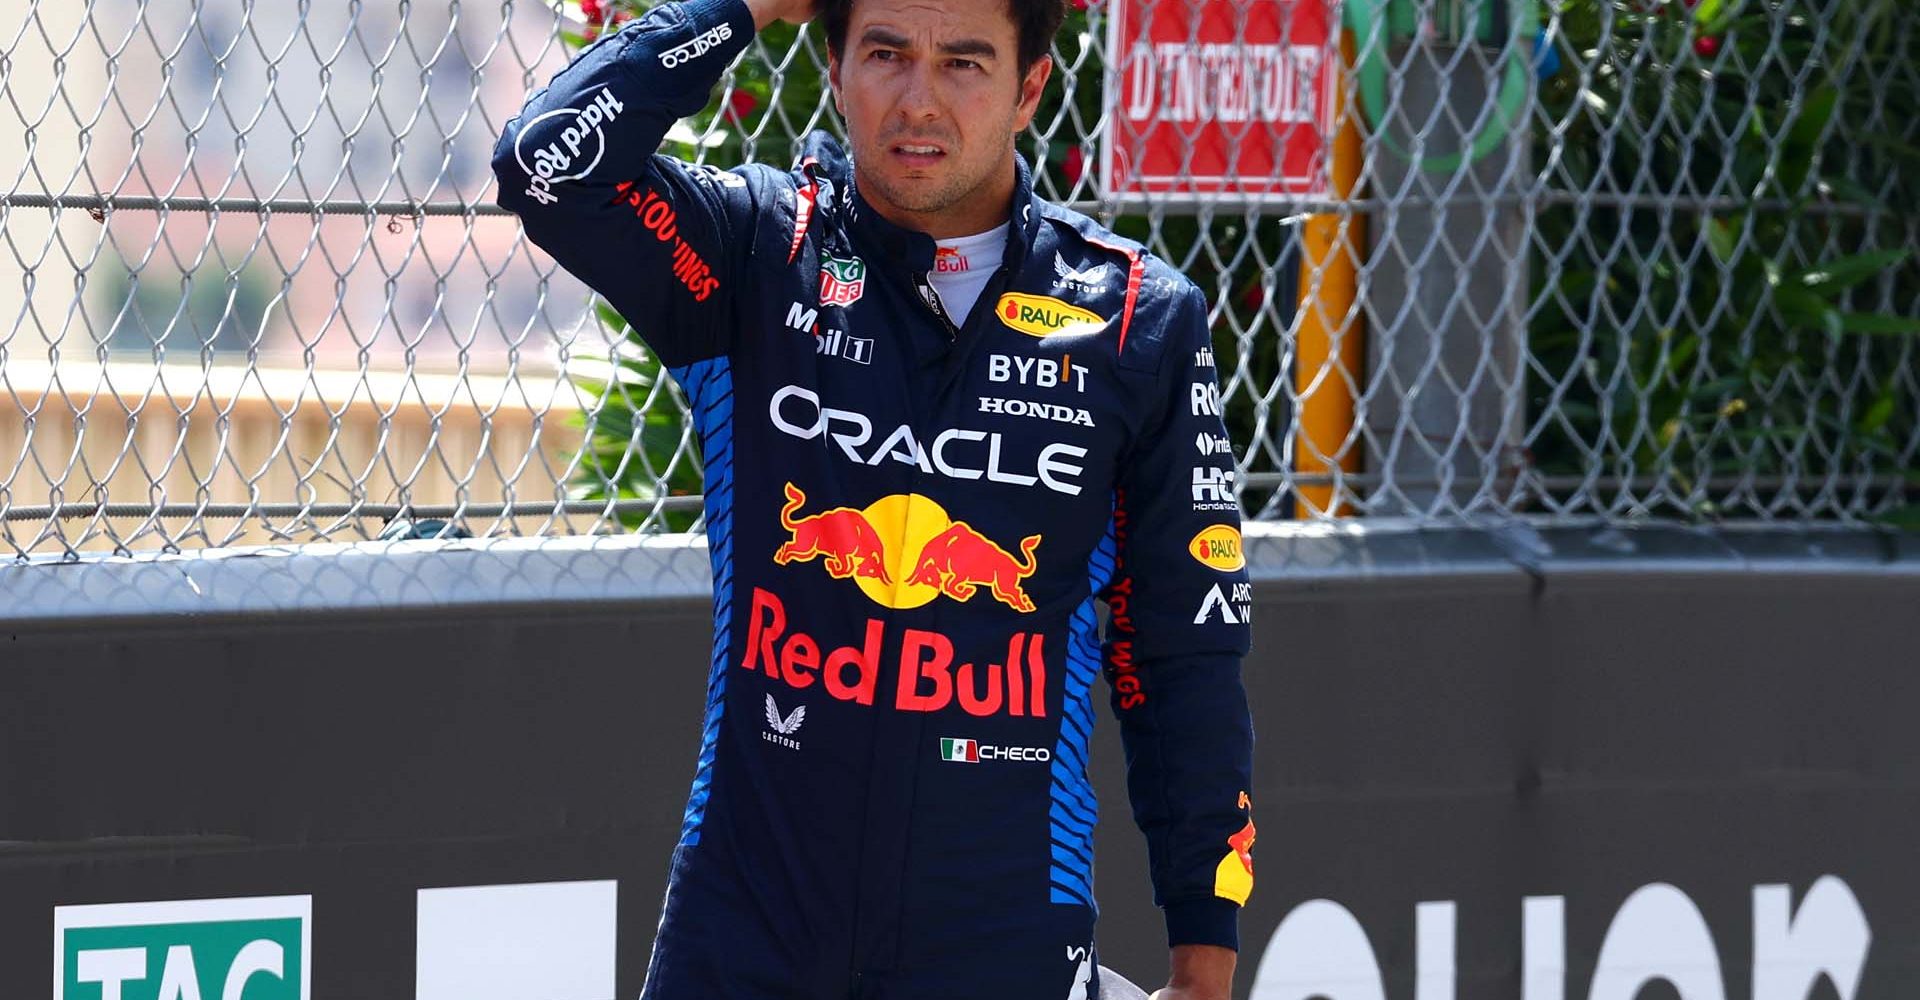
[(1848, 190), (1892, 326), (1710, 11), (1814, 116), (1804, 308), (1722, 237), (1879, 413), (609, 316), (1830, 278), (1802, 141), (1907, 517)]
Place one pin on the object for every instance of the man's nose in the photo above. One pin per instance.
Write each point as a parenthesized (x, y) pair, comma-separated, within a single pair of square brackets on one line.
[(918, 100)]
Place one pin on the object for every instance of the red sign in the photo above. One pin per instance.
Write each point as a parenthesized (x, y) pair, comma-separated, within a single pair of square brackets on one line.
[(1228, 97)]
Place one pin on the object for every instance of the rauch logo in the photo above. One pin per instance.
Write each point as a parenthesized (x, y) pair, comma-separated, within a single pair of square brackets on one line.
[(1045, 316), (257, 948)]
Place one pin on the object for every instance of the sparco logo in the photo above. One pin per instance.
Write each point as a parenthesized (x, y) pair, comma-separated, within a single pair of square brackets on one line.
[(579, 137), (703, 43), (1658, 935)]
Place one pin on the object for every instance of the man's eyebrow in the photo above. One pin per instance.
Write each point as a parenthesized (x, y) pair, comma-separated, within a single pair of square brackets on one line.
[(886, 38), (969, 47)]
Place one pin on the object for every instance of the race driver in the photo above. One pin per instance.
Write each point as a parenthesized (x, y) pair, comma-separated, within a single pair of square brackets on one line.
[(938, 418)]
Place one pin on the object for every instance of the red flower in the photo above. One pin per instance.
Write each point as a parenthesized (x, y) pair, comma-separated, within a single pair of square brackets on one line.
[(590, 9), (740, 104), (1707, 46), (1254, 297), (1073, 164)]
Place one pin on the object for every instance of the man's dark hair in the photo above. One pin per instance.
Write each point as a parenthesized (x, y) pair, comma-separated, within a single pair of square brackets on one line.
[(1038, 21)]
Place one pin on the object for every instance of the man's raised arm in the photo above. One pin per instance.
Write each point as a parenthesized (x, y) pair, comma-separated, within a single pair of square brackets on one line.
[(661, 240)]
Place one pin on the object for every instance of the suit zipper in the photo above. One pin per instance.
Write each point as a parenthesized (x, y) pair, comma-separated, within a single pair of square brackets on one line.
[(932, 299)]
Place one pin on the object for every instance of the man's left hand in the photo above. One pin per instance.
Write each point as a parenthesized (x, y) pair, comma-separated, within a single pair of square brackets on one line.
[(1200, 972)]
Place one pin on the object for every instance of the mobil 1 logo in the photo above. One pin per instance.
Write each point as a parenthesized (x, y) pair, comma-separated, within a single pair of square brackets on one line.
[(257, 948)]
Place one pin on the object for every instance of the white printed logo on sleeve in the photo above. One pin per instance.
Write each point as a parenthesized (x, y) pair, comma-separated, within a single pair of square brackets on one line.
[(1237, 610), (1089, 280), (1213, 488), (702, 43), (579, 137)]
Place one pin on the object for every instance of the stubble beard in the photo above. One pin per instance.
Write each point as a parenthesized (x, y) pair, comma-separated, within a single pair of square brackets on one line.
[(930, 196)]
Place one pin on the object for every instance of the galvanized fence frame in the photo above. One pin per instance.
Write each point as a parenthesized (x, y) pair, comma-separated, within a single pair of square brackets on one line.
[(1565, 259)]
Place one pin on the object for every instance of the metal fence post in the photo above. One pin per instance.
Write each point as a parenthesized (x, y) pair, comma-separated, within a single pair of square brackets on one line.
[(1448, 289)]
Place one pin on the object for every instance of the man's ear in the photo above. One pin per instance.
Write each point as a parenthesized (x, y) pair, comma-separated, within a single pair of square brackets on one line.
[(833, 82), (1031, 87)]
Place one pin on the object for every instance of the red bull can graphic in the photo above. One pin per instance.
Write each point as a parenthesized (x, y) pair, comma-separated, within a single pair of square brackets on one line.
[(904, 551)]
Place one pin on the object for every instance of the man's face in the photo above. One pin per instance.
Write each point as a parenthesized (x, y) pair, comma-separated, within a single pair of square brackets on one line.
[(933, 95)]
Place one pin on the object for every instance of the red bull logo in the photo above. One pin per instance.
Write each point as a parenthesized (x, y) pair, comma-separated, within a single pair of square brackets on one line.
[(842, 537), (904, 551), (928, 679)]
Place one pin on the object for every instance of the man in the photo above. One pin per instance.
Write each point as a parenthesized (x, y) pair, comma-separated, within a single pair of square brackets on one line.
[(938, 418)]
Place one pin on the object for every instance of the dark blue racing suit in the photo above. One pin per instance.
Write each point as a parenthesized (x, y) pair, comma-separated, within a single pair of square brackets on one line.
[(910, 521)]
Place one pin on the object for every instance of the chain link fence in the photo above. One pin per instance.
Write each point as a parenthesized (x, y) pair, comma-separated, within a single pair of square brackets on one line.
[(1558, 259)]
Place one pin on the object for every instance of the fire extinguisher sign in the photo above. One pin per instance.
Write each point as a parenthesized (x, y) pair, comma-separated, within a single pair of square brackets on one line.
[(1220, 97)]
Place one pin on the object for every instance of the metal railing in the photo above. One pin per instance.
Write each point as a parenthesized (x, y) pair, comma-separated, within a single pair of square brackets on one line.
[(1564, 259)]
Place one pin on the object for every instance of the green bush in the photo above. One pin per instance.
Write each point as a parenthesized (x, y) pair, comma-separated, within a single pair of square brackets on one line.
[(1766, 336)]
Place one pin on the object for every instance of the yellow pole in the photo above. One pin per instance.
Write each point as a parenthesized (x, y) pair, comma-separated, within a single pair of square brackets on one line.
[(1331, 346)]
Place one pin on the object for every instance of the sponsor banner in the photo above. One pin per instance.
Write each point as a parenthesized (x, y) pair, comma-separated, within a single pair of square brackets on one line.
[(509, 942), (1591, 778), (1232, 98), (260, 948)]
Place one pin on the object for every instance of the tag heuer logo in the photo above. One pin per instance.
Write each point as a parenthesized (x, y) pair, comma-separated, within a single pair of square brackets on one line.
[(258, 948), (842, 280)]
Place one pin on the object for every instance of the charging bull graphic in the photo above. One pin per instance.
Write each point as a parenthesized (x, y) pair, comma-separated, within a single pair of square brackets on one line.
[(842, 537), (904, 551), (959, 560)]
